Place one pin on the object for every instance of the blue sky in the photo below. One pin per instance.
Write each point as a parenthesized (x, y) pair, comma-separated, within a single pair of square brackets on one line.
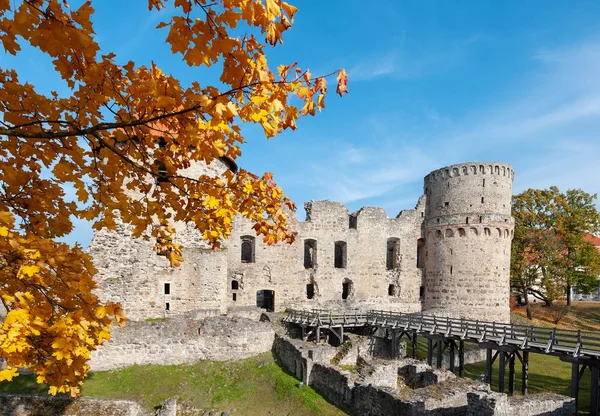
[(431, 83)]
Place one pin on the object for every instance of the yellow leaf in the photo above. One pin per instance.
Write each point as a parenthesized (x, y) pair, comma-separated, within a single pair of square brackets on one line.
[(27, 271), (3, 232)]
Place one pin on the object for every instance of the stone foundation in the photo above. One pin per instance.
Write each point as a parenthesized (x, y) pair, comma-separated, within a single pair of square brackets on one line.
[(374, 390)]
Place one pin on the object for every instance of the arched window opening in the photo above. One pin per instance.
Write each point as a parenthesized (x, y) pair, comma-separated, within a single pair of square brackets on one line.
[(247, 249), (498, 232), (235, 285), (465, 170), (310, 254), (449, 233), (461, 232), (340, 254), (487, 232), (392, 291), (347, 289), (310, 290), (420, 250), (392, 253)]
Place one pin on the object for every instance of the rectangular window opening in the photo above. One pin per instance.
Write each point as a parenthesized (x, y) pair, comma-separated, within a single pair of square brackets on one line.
[(167, 306), (167, 288), (310, 291), (234, 297), (482, 200)]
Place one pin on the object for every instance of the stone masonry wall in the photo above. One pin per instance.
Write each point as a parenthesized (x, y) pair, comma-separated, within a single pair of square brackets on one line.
[(423, 391), (183, 340), (281, 268)]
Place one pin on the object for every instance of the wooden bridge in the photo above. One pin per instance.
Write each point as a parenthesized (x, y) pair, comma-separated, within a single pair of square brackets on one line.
[(506, 343)]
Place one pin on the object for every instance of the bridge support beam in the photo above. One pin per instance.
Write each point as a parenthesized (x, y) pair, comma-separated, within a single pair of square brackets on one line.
[(414, 345), (524, 372)]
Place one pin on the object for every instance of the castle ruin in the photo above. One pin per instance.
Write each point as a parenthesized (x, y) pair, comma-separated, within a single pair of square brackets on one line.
[(450, 255)]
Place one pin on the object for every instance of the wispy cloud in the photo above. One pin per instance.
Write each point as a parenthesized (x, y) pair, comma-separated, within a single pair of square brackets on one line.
[(408, 60), (549, 131)]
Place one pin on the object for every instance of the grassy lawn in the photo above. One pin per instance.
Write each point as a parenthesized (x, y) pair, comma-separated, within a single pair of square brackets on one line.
[(583, 315), (256, 386)]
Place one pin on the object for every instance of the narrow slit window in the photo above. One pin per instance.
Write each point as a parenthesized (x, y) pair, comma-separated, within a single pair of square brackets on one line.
[(167, 288), (482, 199), (167, 306), (235, 297)]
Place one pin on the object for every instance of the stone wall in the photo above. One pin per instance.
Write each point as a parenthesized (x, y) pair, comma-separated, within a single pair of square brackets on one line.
[(21, 405), (282, 269), (182, 340), (423, 391)]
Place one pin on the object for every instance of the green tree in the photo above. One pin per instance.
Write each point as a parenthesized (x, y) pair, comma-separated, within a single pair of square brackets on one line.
[(550, 255)]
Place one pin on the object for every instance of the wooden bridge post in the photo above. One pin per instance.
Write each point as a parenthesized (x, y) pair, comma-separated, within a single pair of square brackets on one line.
[(525, 372), (440, 353), (318, 333), (452, 347), (461, 358), (414, 345), (394, 348), (429, 351), (488, 366), (502, 371), (575, 382), (511, 373)]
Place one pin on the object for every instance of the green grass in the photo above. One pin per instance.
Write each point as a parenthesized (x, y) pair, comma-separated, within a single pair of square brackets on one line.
[(255, 386)]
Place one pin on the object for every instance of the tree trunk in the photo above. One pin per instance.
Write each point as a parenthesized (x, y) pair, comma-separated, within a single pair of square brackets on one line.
[(528, 308), (568, 295)]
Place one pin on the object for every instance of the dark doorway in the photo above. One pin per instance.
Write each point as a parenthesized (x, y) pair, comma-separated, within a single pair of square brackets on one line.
[(346, 289), (310, 291), (265, 299)]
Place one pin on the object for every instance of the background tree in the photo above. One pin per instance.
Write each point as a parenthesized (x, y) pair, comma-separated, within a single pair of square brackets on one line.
[(101, 140), (550, 255)]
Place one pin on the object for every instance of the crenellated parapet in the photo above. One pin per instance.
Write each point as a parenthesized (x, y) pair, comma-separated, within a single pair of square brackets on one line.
[(471, 168)]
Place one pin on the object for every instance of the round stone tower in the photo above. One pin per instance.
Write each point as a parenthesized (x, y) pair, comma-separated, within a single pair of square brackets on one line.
[(468, 231)]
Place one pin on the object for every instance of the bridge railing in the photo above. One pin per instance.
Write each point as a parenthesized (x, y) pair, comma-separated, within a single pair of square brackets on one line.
[(549, 339)]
